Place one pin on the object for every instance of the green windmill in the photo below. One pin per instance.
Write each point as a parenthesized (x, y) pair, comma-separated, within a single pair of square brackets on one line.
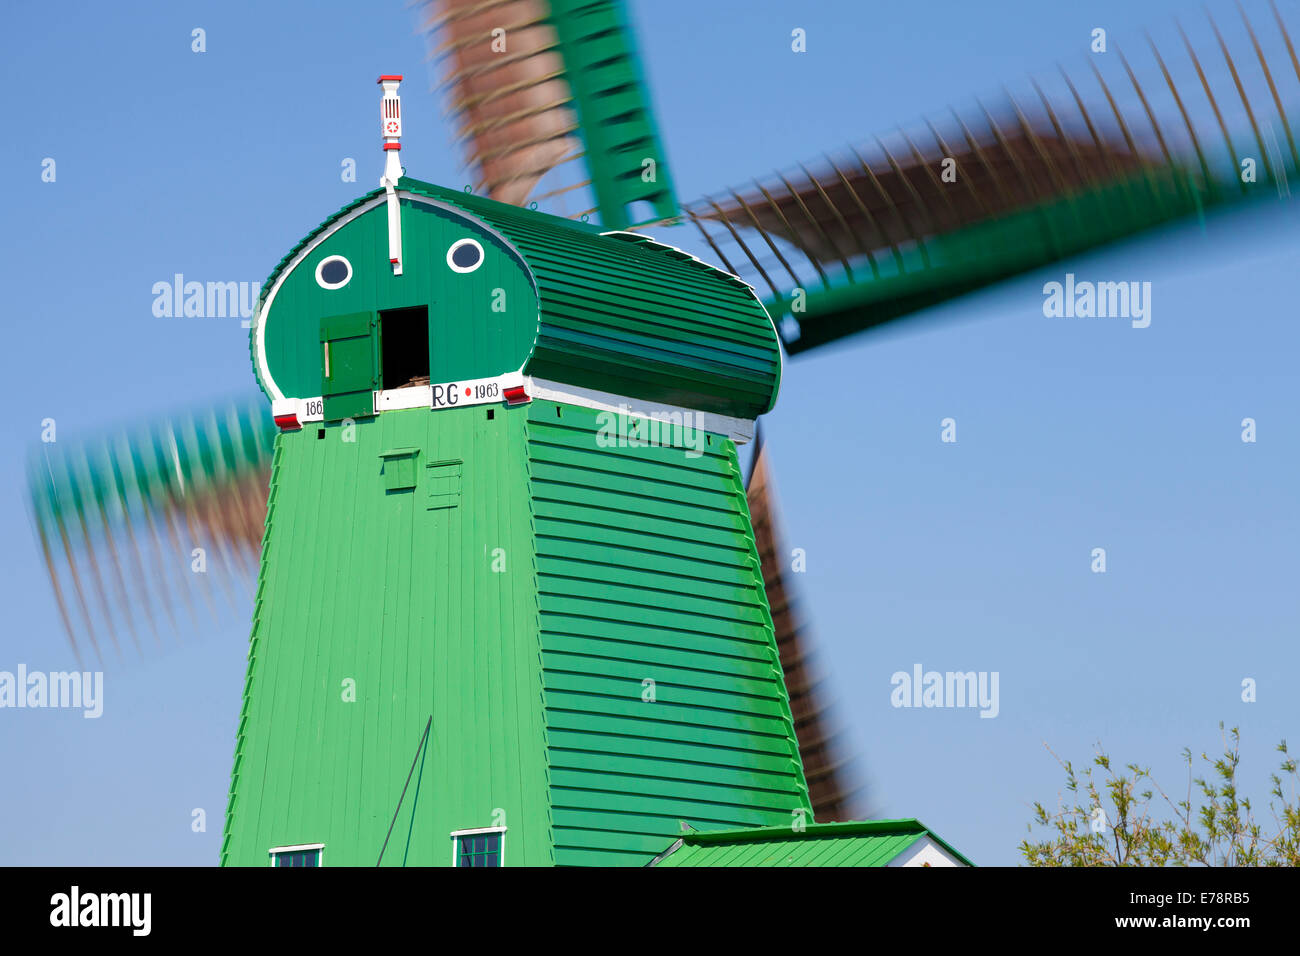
[(514, 603)]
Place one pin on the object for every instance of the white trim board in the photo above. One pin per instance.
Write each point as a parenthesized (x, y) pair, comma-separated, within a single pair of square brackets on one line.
[(412, 396), (739, 430)]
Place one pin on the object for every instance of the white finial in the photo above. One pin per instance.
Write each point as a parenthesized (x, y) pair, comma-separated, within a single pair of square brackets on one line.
[(390, 119), (390, 124)]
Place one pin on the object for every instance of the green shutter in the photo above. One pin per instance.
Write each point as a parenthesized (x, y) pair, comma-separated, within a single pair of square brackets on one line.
[(399, 468), (349, 365), (443, 479)]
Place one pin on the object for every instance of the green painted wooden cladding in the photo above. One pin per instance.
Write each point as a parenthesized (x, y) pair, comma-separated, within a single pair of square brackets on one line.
[(364, 589), (624, 314), (664, 694), (585, 623), (616, 313), (474, 330)]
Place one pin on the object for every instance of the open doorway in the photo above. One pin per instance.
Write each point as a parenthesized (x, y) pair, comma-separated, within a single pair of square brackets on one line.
[(404, 343)]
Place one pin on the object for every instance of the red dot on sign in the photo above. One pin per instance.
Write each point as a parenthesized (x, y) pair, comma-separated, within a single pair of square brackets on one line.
[(467, 391)]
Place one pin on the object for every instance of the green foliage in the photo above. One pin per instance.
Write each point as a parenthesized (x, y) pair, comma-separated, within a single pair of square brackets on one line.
[(1143, 826)]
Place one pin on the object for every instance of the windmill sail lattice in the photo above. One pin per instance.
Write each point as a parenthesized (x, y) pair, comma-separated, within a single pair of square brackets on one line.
[(850, 241), (821, 746), (119, 520), (536, 84)]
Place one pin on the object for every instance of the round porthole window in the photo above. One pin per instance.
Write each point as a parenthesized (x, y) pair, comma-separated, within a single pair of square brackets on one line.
[(333, 272), (465, 255)]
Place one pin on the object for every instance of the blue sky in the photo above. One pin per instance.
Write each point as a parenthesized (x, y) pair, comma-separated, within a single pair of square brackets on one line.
[(1072, 433)]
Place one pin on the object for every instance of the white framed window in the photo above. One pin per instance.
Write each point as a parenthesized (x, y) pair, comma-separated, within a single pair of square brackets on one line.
[(484, 846), (301, 854), (333, 272), (465, 255)]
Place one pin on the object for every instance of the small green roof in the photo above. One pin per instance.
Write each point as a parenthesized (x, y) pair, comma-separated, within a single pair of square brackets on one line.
[(860, 843)]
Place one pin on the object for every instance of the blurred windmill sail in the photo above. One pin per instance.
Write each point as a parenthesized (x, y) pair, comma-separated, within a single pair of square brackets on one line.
[(536, 85), (832, 784), (132, 522), (851, 241)]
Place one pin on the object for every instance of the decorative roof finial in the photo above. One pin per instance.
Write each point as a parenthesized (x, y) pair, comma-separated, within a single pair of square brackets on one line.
[(390, 122)]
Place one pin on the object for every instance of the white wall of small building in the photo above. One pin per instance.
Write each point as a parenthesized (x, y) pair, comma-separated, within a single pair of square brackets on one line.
[(925, 852)]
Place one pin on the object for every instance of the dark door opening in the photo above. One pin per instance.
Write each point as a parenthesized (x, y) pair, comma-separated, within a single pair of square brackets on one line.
[(404, 347)]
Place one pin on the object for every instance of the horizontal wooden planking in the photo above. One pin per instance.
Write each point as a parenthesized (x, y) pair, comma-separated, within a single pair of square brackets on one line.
[(635, 444), (586, 573), (755, 721), (692, 754), (639, 545), (644, 488), (758, 677), (720, 647), (636, 314), (588, 314), (622, 529), (578, 856), (638, 841), (656, 481), (558, 436), (743, 698), (568, 820), (637, 765), (712, 577), (605, 507), (710, 635), (553, 597), (645, 568), (573, 791), (724, 384), (589, 720)]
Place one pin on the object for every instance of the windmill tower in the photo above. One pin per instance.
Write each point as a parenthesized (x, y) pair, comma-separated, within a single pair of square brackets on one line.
[(506, 497)]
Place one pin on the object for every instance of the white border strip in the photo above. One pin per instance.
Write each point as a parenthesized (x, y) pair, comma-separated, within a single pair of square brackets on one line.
[(413, 396), (304, 409)]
